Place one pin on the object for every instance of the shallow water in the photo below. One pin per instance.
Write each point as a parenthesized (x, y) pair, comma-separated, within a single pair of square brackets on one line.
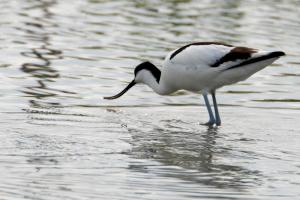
[(61, 140)]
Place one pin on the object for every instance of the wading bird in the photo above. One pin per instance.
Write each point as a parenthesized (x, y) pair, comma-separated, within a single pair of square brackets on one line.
[(202, 67)]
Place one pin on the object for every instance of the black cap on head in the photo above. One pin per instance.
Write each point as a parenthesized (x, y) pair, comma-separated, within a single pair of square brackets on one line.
[(150, 67)]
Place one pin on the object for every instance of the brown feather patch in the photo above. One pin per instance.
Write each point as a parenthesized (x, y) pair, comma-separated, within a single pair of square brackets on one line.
[(237, 53)]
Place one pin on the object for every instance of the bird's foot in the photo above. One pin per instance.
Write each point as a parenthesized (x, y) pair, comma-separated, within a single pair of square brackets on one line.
[(218, 122), (210, 123)]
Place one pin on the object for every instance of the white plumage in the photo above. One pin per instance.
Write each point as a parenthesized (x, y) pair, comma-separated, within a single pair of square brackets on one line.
[(202, 67)]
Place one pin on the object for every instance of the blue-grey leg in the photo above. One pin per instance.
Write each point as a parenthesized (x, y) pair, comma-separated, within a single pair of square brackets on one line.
[(210, 113), (218, 119)]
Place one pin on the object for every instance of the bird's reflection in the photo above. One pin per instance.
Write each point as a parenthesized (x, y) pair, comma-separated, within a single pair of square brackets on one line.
[(198, 155)]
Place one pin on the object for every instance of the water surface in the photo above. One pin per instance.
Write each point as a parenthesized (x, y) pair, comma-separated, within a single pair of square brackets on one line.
[(61, 140)]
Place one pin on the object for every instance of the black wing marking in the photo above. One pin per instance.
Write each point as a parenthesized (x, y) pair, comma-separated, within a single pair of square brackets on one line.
[(197, 43), (237, 53), (261, 58)]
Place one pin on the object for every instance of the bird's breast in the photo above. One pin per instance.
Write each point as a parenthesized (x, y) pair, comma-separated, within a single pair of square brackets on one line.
[(192, 77)]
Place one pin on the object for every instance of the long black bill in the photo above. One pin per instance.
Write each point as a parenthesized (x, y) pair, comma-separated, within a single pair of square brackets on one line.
[(123, 91)]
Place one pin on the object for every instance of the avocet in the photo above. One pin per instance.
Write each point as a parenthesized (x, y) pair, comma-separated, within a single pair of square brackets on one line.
[(202, 67)]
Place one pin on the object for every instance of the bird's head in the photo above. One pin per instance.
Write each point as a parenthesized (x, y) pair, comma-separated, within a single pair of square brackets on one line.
[(141, 72)]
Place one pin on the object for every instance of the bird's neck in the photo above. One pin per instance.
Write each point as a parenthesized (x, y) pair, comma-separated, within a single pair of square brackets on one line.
[(157, 85)]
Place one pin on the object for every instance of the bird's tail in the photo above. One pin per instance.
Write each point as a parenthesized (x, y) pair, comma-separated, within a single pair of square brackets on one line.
[(260, 58)]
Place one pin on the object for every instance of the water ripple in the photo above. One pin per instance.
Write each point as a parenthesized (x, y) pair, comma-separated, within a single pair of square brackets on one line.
[(61, 140)]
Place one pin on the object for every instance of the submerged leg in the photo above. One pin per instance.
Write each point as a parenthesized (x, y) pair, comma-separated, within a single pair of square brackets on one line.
[(210, 113), (218, 119)]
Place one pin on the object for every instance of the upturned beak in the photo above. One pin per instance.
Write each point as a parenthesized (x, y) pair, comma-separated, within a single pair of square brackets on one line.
[(131, 84)]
